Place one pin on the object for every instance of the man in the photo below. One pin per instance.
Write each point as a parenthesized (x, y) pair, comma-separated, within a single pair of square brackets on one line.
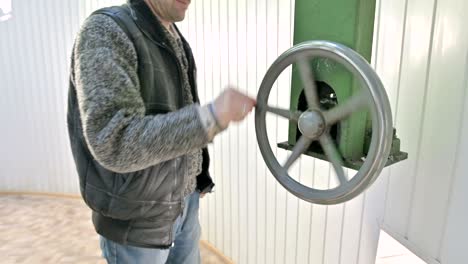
[(138, 134)]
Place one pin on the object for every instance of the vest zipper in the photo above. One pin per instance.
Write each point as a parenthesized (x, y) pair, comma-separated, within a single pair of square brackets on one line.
[(179, 70), (175, 172), (181, 102)]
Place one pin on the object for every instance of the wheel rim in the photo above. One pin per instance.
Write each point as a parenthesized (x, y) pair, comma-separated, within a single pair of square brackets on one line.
[(380, 113)]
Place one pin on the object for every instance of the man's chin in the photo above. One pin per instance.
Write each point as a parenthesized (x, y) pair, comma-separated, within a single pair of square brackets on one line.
[(179, 19)]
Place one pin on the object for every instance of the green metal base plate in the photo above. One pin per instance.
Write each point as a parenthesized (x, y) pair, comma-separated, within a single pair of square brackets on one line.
[(351, 164)]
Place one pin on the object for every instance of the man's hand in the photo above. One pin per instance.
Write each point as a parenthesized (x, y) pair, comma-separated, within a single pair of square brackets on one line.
[(232, 105)]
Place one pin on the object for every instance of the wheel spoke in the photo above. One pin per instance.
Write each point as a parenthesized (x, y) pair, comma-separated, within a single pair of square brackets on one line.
[(284, 113), (345, 109), (310, 89), (301, 146), (334, 156)]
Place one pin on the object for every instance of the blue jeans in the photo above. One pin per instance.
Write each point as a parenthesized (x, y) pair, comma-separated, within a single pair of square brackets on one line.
[(185, 250)]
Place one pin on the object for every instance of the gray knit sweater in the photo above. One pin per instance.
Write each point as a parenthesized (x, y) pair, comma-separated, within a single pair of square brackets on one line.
[(119, 134)]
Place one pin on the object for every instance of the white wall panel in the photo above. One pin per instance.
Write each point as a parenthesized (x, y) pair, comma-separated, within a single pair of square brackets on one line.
[(429, 117), (440, 128), (409, 113), (453, 248), (34, 82), (36, 44)]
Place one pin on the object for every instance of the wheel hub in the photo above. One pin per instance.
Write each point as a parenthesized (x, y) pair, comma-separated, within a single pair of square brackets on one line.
[(312, 124)]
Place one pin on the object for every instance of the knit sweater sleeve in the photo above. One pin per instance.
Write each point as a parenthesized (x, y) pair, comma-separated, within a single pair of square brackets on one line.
[(118, 133)]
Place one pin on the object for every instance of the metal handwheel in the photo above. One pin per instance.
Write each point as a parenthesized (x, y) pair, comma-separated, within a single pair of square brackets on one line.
[(315, 122)]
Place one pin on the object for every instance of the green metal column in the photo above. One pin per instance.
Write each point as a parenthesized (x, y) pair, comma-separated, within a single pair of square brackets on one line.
[(349, 22)]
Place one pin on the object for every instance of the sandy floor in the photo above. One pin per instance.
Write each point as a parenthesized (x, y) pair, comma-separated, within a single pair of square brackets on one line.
[(42, 229)]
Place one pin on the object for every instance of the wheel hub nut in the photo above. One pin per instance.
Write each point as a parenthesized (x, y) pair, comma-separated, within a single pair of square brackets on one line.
[(311, 124)]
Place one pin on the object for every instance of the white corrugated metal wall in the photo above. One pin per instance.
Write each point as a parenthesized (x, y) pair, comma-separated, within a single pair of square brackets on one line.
[(35, 46), (420, 53), (422, 58)]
